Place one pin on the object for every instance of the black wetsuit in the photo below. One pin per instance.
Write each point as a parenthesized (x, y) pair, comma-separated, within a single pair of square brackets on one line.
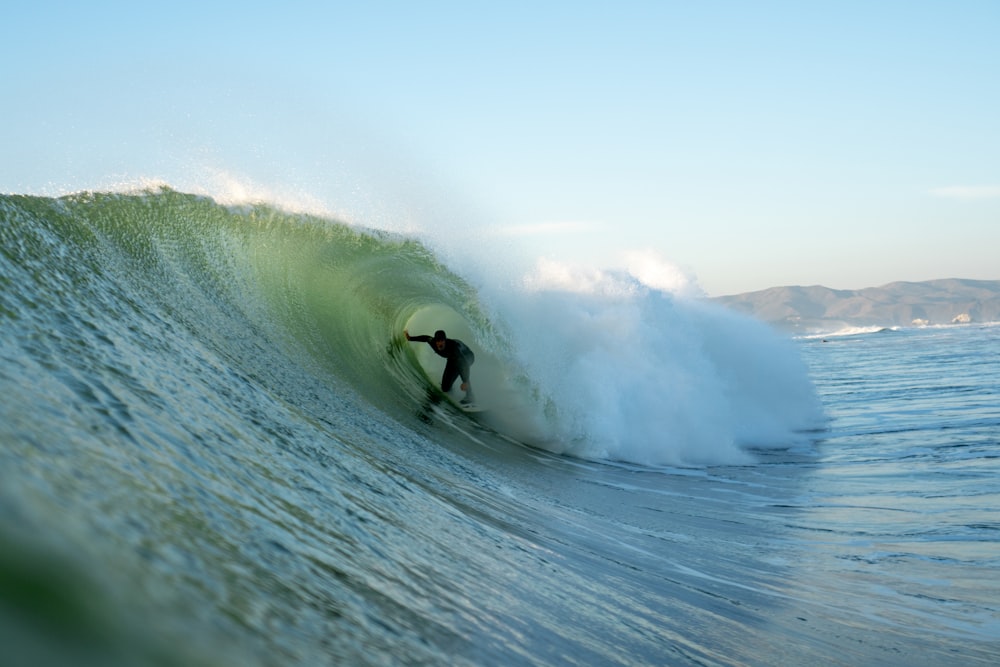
[(460, 359)]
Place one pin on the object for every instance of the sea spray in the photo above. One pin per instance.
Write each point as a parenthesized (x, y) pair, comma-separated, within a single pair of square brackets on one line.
[(627, 364), (633, 373)]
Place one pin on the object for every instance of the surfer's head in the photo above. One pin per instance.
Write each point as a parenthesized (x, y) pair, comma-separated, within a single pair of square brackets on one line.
[(439, 339)]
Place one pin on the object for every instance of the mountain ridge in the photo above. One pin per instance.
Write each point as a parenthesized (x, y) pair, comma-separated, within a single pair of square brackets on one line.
[(815, 308)]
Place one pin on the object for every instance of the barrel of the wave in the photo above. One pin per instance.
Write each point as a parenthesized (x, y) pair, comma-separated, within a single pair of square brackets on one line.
[(501, 400), (458, 364), (447, 360)]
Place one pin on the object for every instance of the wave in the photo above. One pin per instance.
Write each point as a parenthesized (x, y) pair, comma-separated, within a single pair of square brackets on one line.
[(851, 331), (591, 364)]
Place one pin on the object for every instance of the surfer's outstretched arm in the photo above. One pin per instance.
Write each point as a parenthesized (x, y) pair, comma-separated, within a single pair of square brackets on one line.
[(417, 339)]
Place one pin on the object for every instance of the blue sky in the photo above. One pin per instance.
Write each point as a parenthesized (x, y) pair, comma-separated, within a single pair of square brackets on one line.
[(751, 144)]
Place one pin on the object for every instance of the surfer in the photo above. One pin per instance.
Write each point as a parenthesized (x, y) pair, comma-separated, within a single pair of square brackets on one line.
[(460, 359)]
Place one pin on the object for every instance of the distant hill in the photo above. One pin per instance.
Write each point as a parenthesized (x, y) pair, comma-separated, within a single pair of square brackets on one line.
[(821, 309)]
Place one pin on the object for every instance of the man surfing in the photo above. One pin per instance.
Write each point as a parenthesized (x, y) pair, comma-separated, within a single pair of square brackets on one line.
[(460, 359)]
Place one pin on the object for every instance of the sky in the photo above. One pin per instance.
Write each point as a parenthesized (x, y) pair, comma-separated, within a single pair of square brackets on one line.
[(748, 144)]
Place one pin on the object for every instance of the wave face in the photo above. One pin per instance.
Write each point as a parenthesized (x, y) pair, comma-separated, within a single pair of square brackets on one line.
[(593, 365), (215, 406)]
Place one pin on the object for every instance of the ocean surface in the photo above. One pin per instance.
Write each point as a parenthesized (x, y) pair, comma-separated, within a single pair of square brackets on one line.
[(217, 448)]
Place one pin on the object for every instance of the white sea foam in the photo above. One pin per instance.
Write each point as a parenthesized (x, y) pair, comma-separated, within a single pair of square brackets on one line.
[(641, 374)]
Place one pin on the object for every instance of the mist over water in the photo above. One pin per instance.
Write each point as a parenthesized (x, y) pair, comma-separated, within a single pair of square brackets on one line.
[(635, 373)]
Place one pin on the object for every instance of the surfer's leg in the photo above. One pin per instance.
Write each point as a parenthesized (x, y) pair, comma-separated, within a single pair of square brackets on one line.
[(465, 372), (451, 371)]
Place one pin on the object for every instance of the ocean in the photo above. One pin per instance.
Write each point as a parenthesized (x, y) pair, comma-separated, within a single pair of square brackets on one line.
[(218, 448)]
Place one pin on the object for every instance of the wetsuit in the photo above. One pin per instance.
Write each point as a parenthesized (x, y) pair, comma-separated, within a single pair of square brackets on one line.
[(460, 359)]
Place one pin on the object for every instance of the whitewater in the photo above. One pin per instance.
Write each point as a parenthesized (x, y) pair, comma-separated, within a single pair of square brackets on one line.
[(218, 448)]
